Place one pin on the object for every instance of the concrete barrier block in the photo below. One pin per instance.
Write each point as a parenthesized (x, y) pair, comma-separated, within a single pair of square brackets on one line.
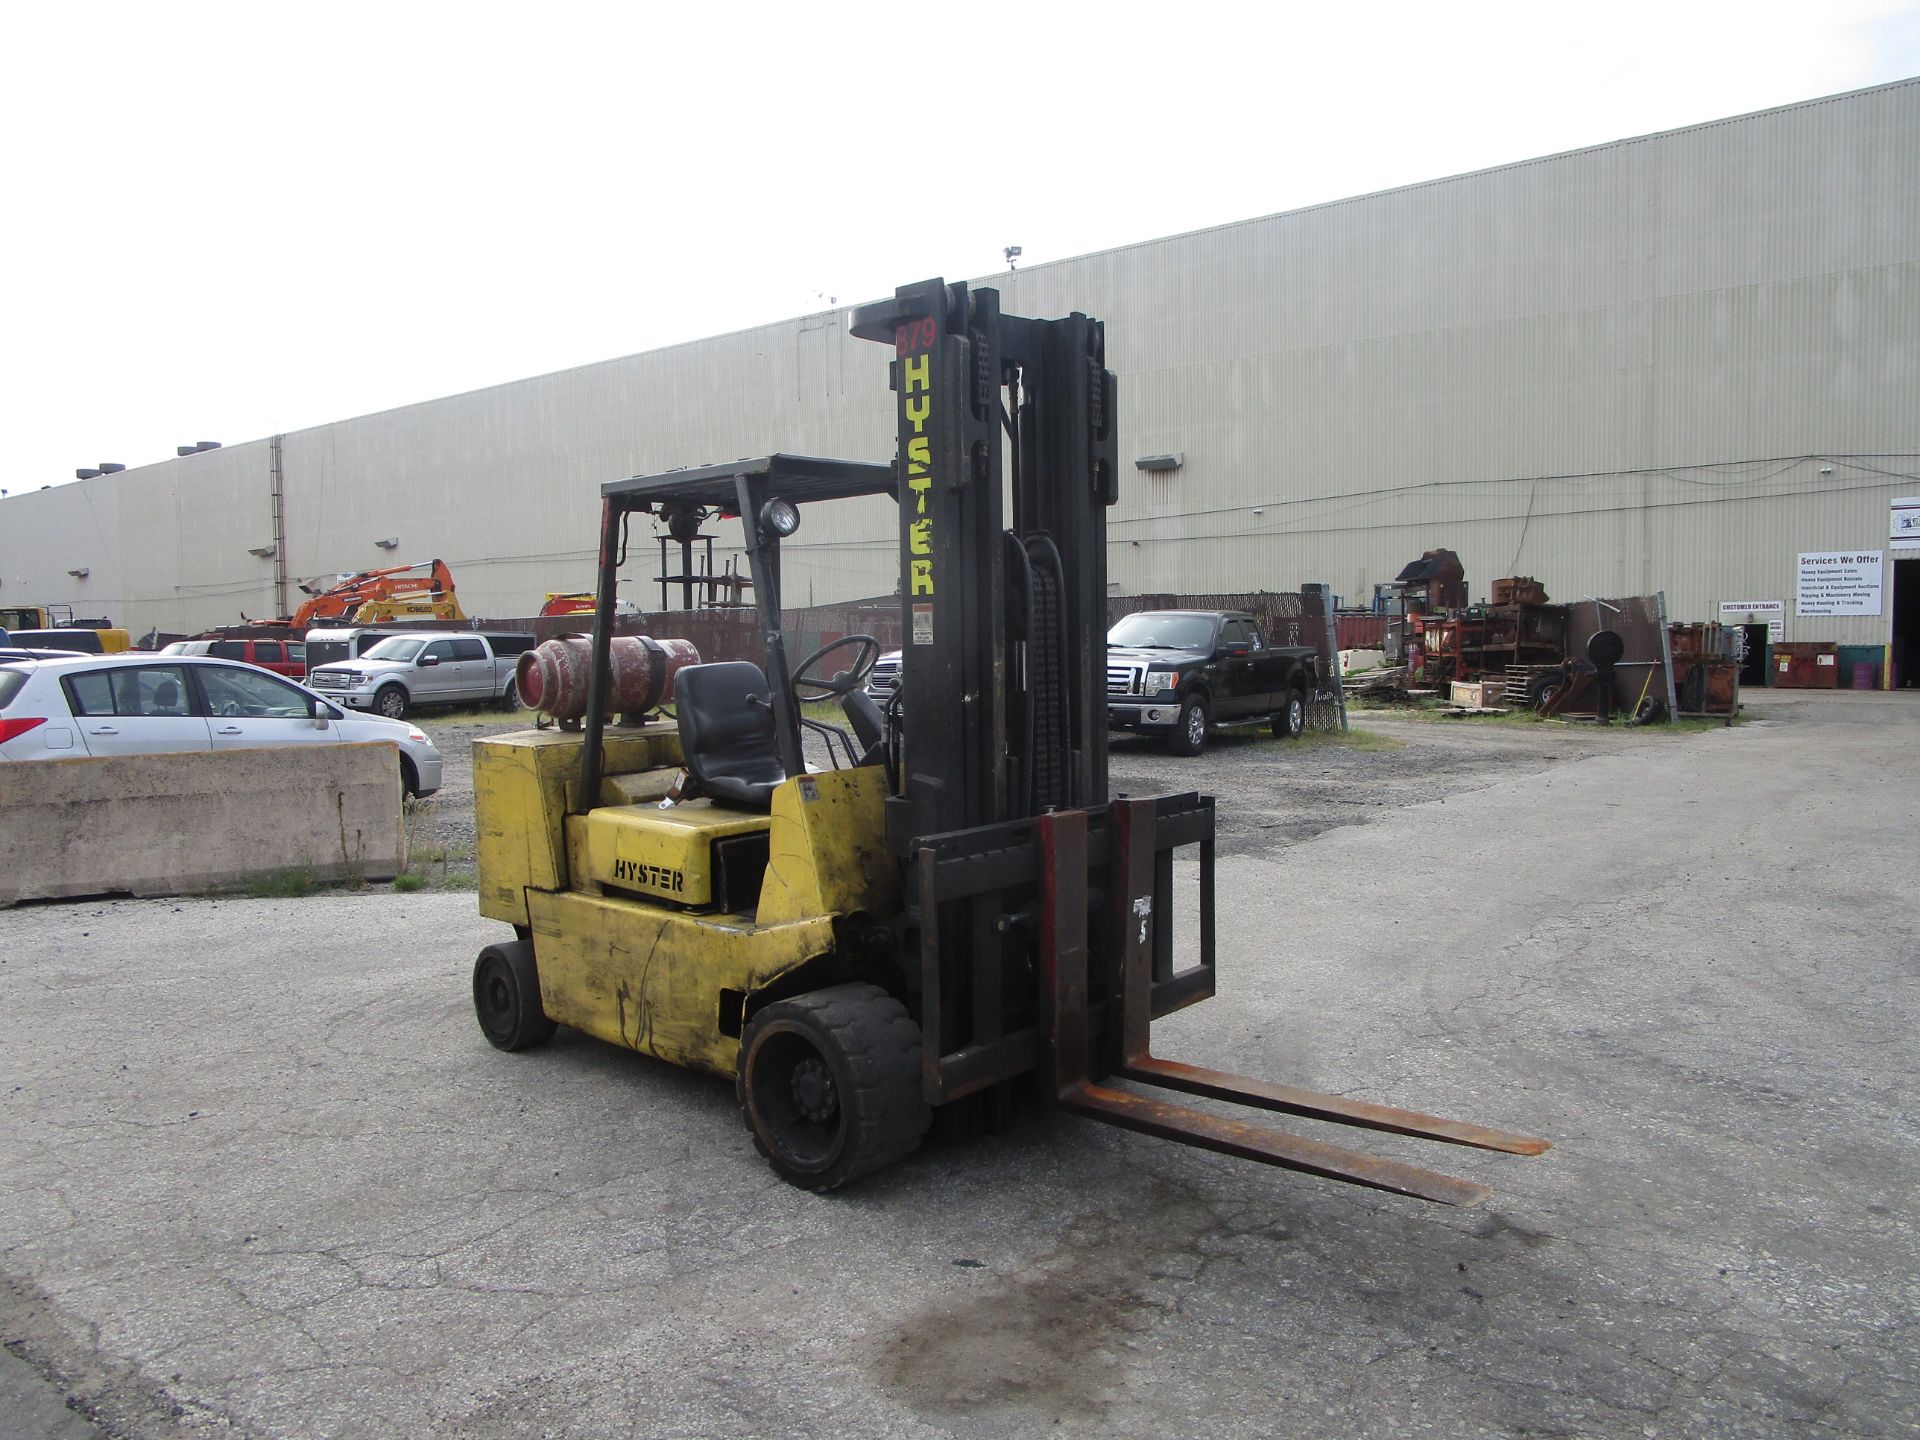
[(177, 824)]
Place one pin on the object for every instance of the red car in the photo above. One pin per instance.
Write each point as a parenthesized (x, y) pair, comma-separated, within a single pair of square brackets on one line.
[(283, 657)]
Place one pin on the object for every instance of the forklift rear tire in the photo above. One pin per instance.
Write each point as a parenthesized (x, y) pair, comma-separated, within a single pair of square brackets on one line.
[(1189, 736), (506, 997), (830, 1085)]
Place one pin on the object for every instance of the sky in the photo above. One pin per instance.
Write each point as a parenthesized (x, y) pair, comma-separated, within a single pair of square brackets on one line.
[(230, 220)]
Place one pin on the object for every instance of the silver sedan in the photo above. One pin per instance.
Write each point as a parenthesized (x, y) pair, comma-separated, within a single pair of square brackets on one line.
[(139, 704)]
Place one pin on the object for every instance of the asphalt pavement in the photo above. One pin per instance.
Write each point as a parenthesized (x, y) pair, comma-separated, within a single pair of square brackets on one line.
[(260, 1175)]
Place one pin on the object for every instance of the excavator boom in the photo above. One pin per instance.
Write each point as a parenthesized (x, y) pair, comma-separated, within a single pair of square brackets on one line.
[(422, 591)]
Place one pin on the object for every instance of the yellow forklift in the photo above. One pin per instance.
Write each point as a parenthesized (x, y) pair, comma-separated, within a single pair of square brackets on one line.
[(952, 913)]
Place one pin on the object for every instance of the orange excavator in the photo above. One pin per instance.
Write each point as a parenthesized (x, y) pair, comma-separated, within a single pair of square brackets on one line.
[(580, 602), (404, 592)]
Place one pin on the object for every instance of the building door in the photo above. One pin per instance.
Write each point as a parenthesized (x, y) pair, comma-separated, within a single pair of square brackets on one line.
[(1906, 623), (1753, 654)]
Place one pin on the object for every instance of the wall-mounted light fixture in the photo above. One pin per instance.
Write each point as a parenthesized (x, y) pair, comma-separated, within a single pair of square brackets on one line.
[(196, 447), (392, 542), (81, 573), (1161, 464), (265, 552)]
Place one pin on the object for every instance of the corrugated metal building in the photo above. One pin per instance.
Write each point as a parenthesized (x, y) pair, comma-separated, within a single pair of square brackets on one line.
[(1674, 362)]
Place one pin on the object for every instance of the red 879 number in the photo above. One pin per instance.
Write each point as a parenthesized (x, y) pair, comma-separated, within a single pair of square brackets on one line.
[(917, 335)]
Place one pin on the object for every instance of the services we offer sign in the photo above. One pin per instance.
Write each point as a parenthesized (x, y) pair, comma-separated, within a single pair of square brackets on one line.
[(1845, 582)]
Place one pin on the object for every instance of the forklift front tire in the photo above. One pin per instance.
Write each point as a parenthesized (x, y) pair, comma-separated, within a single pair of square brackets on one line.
[(830, 1085), (506, 997), (1189, 735)]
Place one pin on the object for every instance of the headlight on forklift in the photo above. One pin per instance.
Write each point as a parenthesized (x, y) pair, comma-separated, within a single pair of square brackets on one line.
[(779, 517)]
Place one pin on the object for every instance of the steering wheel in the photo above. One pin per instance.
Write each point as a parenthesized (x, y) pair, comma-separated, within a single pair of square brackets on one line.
[(229, 707), (808, 686)]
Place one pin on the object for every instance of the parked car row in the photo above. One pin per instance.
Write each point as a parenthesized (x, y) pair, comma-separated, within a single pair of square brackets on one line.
[(146, 704), (405, 670), (390, 672)]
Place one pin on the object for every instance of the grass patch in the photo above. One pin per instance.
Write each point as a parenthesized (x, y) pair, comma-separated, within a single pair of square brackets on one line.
[(288, 884), (435, 867), (1339, 740), (1352, 740), (1429, 711)]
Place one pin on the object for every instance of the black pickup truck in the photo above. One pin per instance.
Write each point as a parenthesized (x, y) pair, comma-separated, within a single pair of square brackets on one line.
[(1177, 672)]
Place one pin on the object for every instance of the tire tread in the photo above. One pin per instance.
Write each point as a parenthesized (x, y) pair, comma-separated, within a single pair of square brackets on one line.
[(881, 1045)]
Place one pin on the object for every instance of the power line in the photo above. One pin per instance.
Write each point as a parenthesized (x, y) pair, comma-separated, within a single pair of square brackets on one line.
[(1786, 462), (1318, 529)]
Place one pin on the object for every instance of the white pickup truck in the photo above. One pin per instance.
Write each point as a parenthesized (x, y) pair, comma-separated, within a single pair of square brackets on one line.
[(405, 671)]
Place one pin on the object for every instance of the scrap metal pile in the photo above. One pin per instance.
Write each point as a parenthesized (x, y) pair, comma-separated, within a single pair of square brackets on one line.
[(1590, 658)]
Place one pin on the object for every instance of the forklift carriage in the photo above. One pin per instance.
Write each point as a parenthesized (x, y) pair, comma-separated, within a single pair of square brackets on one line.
[(957, 908)]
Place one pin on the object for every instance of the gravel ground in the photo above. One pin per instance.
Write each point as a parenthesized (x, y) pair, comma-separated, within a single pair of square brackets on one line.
[(440, 834), (1273, 793)]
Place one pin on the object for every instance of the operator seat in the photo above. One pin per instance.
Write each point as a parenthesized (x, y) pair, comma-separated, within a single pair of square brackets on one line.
[(727, 734)]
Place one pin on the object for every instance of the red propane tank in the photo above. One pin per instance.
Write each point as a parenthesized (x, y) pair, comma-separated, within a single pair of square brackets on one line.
[(552, 677)]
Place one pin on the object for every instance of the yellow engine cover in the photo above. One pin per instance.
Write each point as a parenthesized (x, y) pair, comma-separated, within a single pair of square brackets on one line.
[(644, 850)]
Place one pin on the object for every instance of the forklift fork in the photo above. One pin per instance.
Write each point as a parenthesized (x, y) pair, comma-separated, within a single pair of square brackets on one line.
[(1063, 945)]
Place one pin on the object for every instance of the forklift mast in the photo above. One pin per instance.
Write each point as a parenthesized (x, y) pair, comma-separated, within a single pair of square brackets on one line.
[(1006, 459), (1040, 935)]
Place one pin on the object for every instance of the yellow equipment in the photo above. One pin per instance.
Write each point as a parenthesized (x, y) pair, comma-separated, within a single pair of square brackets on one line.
[(53, 627), (954, 910)]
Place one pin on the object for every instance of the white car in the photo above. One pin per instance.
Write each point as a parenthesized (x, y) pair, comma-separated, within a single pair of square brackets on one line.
[(140, 704)]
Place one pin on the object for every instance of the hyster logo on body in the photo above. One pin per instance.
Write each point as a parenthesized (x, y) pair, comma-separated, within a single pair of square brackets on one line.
[(914, 344), (653, 877)]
